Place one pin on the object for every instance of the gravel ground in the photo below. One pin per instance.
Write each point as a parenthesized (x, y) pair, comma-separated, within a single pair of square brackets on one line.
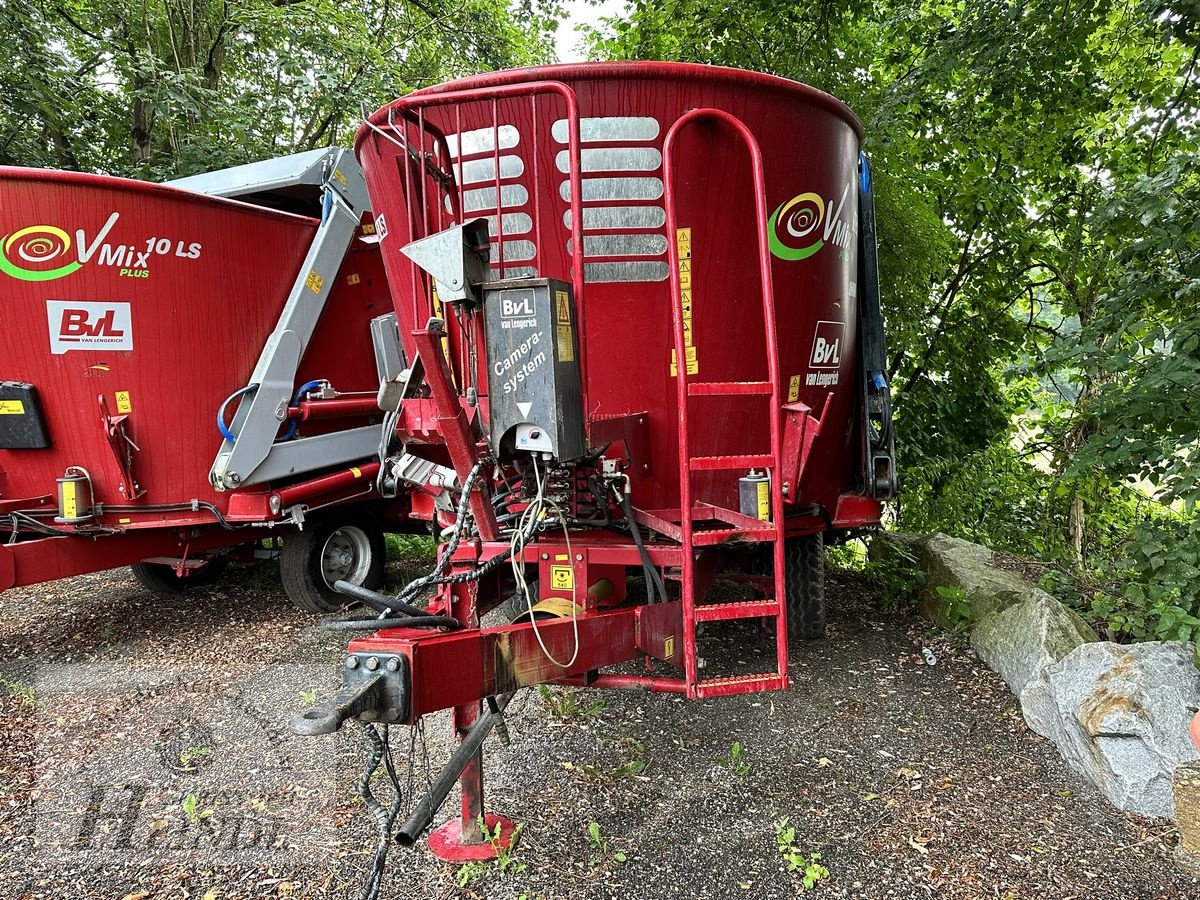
[(144, 753)]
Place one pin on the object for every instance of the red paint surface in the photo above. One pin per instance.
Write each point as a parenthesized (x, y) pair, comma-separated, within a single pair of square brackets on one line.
[(809, 143), (446, 841), (198, 326)]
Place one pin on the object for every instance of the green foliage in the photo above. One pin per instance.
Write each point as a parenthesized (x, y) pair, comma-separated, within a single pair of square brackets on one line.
[(1037, 189), (171, 87), (897, 575), (504, 863), (600, 847), (193, 811), (736, 761), (566, 706), (24, 694), (810, 868), (958, 609)]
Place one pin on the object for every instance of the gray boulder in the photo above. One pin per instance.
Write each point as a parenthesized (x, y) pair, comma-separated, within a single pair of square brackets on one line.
[(1021, 640), (956, 564), (1119, 716)]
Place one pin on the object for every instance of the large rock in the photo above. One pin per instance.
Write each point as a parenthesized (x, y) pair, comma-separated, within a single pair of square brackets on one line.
[(957, 565), (1119, 716), (1021, 640)]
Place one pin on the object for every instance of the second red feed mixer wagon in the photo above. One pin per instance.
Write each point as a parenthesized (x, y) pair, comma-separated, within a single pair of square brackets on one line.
[(642, 306), (186, 369)]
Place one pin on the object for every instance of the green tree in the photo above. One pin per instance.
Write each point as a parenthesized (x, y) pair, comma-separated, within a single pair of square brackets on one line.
[(155, 88)]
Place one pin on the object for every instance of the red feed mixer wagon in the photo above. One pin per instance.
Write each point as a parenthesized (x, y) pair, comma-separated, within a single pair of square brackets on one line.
[(642, 308), (183, 373)]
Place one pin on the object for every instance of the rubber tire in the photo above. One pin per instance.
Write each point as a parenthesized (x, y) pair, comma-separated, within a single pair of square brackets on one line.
[(515, 606), (804, 572), (161, 579), (300, 561)]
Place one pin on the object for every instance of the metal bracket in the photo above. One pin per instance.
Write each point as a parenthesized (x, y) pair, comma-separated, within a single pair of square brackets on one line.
[(374, 689), (258, 417)]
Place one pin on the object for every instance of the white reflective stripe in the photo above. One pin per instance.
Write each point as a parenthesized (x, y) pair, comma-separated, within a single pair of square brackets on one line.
[(483, 199), (623, 245), (609, 128), (640, 270), (514, 223), (611, 159), (474, 171), (615, 189), (515, 251), (482, 140), (596, 217)]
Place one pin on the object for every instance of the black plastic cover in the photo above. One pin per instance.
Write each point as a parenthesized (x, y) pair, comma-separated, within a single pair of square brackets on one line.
[(22, 425)]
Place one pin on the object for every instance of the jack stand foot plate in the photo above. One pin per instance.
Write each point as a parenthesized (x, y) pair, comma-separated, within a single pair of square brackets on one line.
[(446, 841)]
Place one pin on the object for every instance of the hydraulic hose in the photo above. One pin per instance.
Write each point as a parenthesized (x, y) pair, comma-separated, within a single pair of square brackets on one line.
[(226, 431), (424, 811), (294, 425)]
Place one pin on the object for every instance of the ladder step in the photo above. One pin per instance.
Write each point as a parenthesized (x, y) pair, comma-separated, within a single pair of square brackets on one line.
[(727, 612), (740, 684), (720, 463), (735, 535), (729, 388)]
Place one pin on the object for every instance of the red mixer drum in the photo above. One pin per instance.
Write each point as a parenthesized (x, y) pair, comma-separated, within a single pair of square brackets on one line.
[(498, 146)]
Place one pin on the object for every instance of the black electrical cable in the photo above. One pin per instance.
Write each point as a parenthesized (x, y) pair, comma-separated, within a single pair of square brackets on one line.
[(414, 587), (378, 602), (186, 506), (374, 624), (654, 579), (378, 750)]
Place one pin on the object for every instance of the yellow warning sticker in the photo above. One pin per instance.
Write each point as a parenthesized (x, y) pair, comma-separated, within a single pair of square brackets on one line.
[(764, 501), (562, 578), (124, 521), (356, 471), (368, 228), (683, 244), (793, 389), (562, 304), (12, 408), (337, 173), (314, 282), (669, 647), (353, 279), (566, 346), (693, 367), (123, 404), (70, 508)]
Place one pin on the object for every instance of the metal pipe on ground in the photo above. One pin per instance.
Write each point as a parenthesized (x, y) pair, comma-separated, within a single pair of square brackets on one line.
[(424, 811)]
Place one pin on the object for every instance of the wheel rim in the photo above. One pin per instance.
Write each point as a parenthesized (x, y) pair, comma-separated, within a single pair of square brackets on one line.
[(346, 556)]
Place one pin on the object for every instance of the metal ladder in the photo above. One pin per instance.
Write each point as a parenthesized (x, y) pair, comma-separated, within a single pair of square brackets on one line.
[(738, 527)]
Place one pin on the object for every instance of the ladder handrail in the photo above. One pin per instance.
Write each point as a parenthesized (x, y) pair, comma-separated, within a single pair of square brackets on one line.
[(421, 101), (768, 296)]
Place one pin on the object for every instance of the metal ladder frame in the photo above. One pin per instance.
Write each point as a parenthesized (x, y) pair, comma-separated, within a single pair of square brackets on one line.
[(774, 534)]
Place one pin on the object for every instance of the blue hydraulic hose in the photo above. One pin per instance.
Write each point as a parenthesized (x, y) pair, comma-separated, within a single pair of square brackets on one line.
[(226, 431), (294, 425)]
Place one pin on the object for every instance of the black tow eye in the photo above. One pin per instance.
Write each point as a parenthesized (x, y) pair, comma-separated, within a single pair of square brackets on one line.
[(374, 689)]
